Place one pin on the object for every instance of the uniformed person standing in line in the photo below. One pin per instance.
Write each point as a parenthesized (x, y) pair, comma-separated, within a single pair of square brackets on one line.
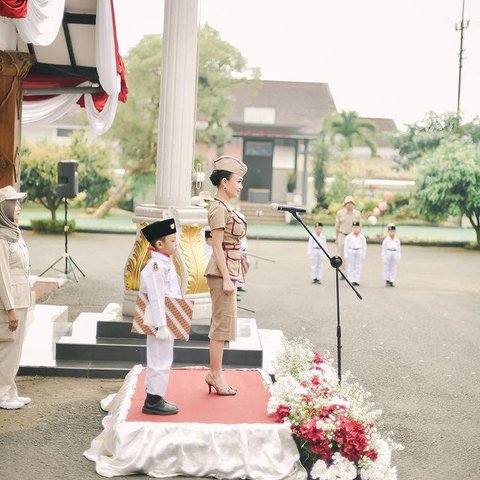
[(343, 223), (355, 251), (390, 255), (316, 254), (14, 297), (224, 269)]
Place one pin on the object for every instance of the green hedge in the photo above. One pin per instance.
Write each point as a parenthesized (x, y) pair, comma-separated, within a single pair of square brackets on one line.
[(47, 225)]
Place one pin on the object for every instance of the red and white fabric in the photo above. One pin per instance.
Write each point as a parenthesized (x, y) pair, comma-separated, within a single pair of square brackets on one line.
[(42, 24)]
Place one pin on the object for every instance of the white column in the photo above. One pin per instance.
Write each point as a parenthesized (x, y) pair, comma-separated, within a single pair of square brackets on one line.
[(178, 93), (175, 154)]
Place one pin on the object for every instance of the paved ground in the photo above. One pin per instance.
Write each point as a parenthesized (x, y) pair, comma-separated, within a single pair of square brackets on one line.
[(415, 347)]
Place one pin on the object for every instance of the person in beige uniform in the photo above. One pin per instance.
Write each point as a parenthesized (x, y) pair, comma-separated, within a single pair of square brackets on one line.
[(224, 268), (14, 297), (343, 223)]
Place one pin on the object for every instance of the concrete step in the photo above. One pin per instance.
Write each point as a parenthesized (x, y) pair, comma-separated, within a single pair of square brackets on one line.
[(55, 347), (134, 350), (121, 328), (89, 369), (261, 213)]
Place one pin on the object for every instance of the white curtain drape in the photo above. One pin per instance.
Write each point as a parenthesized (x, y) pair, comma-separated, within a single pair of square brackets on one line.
[(105, 49), (42, 112), (101, 121), (42, 22)]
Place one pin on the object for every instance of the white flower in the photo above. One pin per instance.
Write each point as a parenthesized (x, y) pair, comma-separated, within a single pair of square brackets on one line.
[(384, 454), (340, 469), (339, 401), (319, 470), (376, 471)]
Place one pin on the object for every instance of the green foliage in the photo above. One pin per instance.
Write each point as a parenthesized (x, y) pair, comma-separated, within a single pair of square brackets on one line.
[(220, 67), (347, 129), (425, 136), (93, 170), (321, 155), (47, 225), (39, 173), (291, 182), (448, 183), (341, 185)]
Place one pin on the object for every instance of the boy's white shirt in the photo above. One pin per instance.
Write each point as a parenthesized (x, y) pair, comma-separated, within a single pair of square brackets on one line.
[(354, 241), (159, 283), (322, 240), (390, 244)]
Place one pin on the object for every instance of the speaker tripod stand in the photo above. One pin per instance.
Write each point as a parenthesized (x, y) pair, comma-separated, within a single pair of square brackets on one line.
[(70, 264)]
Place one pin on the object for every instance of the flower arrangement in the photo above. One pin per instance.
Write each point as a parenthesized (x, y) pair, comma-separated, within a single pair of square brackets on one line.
[(333, 423)]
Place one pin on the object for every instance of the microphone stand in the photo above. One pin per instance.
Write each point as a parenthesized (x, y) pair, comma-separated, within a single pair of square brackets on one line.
[(336, 263)]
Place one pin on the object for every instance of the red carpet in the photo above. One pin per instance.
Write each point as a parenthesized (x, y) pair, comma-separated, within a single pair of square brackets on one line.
[(187, 388)]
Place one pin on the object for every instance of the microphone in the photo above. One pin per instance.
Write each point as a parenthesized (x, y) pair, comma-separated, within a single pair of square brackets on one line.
[(288, 208)]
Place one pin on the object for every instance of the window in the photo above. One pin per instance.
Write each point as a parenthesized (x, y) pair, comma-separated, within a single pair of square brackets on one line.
[(64, 132), (259, 149)]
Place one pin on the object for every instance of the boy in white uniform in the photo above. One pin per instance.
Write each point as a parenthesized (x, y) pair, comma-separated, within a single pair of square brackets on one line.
[(316, 254), (390, 255), (355, 251), (158, 280)]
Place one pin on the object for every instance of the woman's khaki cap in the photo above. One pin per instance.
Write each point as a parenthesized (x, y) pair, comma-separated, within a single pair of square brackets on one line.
[(349, 199), (9, 193), (230, 164)]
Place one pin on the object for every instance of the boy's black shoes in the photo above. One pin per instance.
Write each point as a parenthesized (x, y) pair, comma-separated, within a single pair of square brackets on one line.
[(389, 284), (157, 405), (316, 280)]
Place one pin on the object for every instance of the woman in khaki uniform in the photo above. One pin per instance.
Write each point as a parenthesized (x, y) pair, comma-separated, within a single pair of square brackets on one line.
[(225, 266), (14, 297)]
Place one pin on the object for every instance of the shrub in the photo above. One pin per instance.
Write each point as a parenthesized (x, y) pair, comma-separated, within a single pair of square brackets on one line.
[(47, 225)]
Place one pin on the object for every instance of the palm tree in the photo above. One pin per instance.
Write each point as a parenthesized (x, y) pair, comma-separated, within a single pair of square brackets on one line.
[(352, 130)]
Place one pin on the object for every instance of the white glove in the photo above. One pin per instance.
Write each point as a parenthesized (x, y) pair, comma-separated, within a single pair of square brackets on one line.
[(163, 333)]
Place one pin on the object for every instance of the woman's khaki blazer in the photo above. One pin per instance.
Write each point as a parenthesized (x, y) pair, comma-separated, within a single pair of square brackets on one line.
[(14, 270)]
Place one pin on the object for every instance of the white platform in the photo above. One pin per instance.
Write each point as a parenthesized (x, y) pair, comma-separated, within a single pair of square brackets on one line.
[(257, 451)]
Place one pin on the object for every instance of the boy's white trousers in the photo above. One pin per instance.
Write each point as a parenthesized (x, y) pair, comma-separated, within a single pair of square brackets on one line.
[(159, 363)]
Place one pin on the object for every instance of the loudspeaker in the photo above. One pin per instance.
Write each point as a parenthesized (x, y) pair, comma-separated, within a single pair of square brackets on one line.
[(67, 183)]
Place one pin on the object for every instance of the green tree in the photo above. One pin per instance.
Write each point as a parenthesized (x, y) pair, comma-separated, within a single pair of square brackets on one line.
[(321, 156), (426, 135), (346, 129), (39, 171), (221, 66), (94, 169), (448, 183)]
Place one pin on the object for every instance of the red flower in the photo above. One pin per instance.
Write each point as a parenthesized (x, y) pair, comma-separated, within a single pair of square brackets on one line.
[(319, 444), (317, 358), (322, 449), (325, 412), (316, 380), (351, 438), (371, 454), (281, 412)]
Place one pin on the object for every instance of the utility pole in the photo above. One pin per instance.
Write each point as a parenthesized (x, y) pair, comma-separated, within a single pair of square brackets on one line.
[(463, 25)]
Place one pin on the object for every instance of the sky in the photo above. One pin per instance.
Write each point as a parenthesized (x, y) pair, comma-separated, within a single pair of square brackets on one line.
[(381, 58)]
